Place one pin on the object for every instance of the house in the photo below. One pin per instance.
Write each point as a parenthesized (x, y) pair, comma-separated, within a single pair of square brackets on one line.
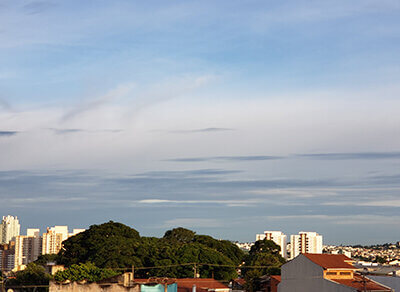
[(238, 284), (390, 281), (121, 283), (270, 283), (201, 285), (325, 272)]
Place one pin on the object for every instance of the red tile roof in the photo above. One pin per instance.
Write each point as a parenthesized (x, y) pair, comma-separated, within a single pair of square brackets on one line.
[(155, 280), (206, 283), (357, 283), (240, 281), (276, 277), (330, 261)]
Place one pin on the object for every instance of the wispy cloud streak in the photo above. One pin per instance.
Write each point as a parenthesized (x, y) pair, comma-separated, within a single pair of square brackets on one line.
[(8, 133), (227, 158), (352, 155), (205, 130)]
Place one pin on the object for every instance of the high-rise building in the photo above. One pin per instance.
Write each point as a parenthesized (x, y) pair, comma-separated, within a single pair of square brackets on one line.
[(9, 229), (53, 238), (7, 257), (27, 248), (305, 242), (276, 236)]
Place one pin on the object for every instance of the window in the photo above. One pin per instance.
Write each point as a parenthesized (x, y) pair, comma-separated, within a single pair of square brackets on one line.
[(345, 273), (331, 273)]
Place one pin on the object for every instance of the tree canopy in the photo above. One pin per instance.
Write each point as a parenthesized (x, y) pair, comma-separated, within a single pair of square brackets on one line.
[(114, 245), (266, 254), (32, 275), (87, 271)]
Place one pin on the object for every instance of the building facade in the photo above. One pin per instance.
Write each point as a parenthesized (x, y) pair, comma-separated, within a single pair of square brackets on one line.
[(7, 252), (27, 248), (53, 238), (278, 237), (327, 273), (305, 242), (9, 229)]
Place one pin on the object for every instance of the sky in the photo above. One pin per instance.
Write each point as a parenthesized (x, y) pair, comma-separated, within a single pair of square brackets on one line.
[(225, 117)]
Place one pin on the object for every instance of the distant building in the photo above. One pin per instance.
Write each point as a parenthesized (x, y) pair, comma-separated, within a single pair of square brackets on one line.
[(7, 257), (276, 236), (27, 248), (244, 245), (9, 229), (201, 285), (305, 242), (53, 238), (121, 283), (325, 272)]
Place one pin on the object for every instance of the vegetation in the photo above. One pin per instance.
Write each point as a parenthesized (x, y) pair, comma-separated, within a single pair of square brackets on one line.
[(32, 275), (88, 272), (114, 245), (262, 253), (105, 250)]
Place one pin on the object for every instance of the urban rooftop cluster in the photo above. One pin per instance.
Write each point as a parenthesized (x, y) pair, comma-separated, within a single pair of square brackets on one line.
[(16, 251)]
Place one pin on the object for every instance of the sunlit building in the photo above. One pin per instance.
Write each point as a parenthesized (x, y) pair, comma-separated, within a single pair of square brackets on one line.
[(276, 236), (27, 247), (9, 229), (305, 242)]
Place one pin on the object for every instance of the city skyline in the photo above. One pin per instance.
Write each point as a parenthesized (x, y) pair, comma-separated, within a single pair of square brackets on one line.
[(222, 117)]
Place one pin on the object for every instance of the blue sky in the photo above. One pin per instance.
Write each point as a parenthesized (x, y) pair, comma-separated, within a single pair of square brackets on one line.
[(226, 117)]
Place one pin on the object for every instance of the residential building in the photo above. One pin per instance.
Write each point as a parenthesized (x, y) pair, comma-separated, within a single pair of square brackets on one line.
[(270, 283), (276, 236), (305, 242), (9, 229), (325, 272), (27, 248), (53, 238), (390, 281), (201, 285), (7, 257), (120, 283)]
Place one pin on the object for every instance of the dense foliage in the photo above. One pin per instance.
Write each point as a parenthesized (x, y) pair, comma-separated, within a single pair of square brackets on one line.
[(114, 245), (32, 275), (88, 272), (266, 254)]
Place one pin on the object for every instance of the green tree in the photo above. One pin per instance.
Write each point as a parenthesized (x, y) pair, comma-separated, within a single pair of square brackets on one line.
[(266, 255), (42, 260), (109, 245), (87, 271), (114, 245), (179, 235), (226, 247), (32, 275)]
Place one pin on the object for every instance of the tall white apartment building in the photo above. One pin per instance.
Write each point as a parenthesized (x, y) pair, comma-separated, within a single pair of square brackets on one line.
[(27, 248), (305, 242), (9, 229), (276, 236), (53, 238)]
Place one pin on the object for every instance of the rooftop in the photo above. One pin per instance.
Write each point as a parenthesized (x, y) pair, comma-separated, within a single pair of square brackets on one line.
[(330, 261), (206, 283), (358, 283)]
